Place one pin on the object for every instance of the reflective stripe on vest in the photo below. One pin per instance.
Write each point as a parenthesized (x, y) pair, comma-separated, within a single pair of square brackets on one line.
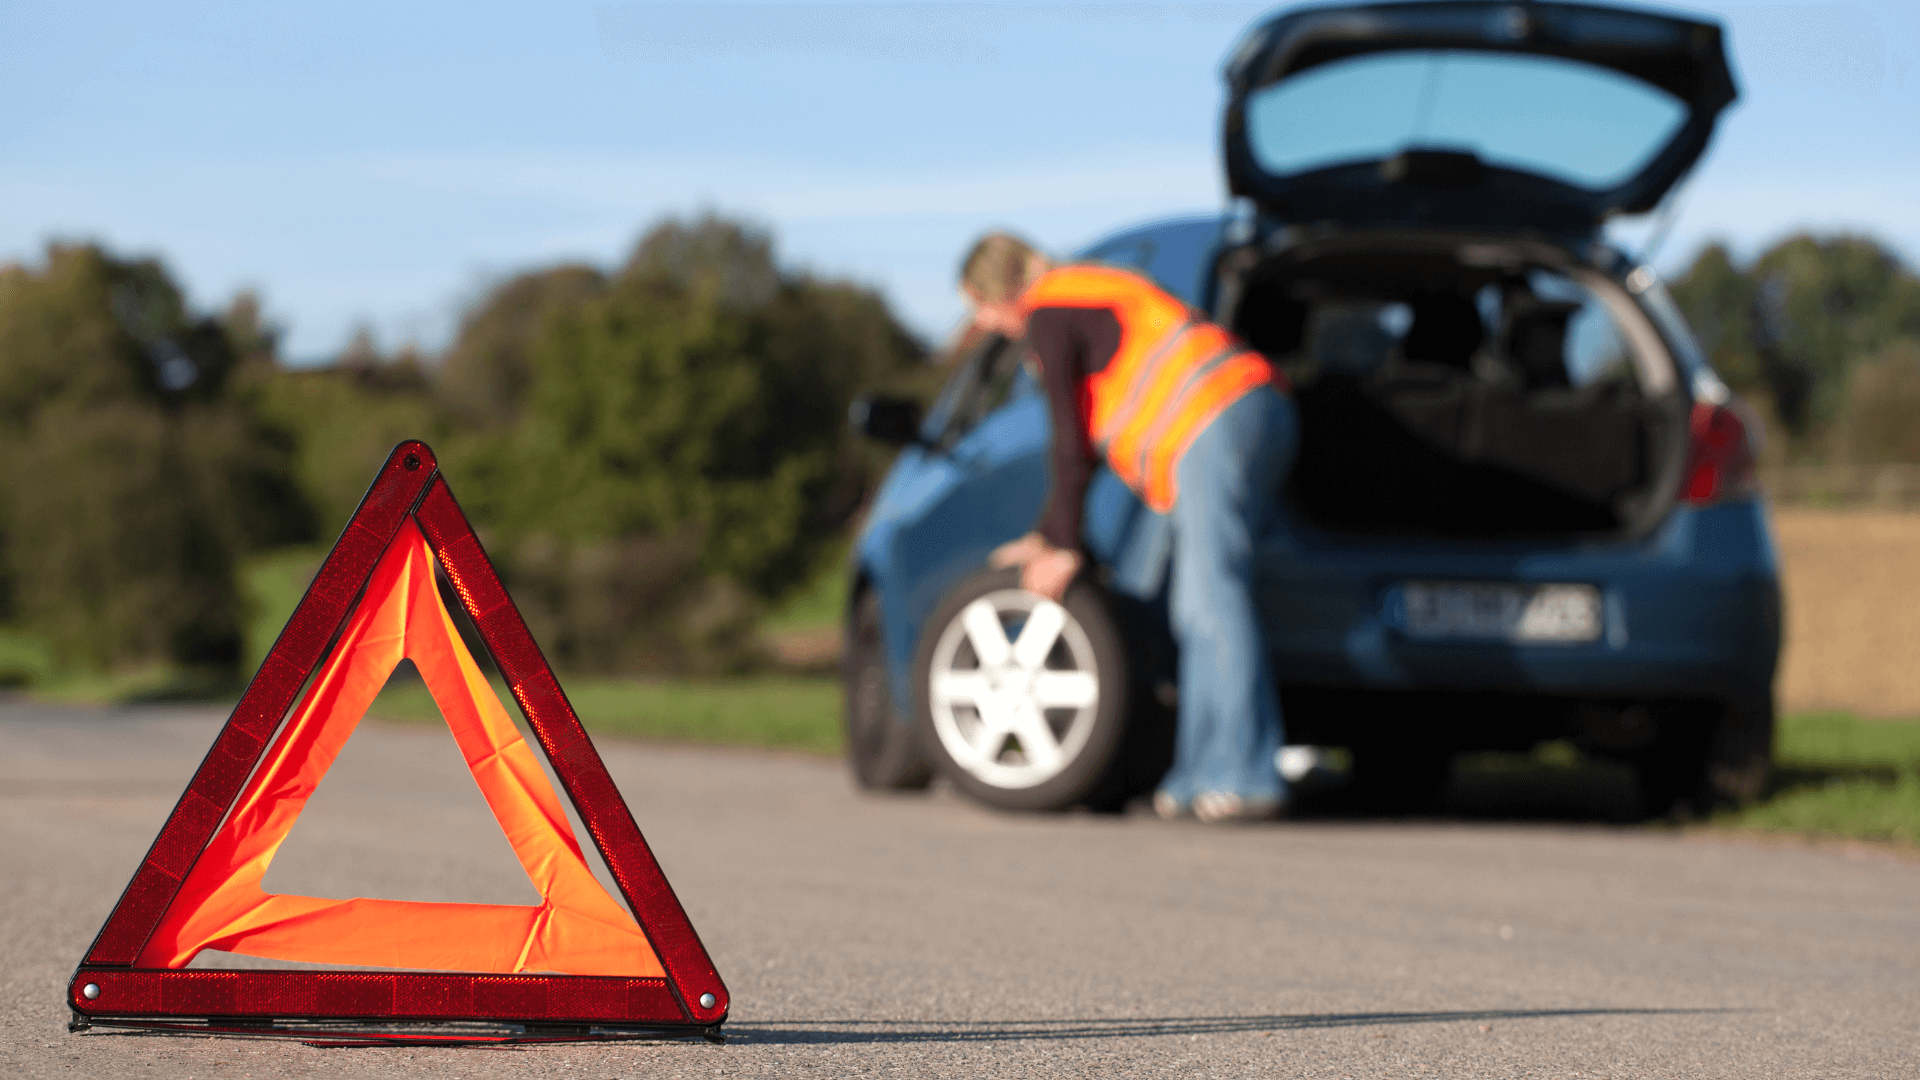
[(1172, 373)]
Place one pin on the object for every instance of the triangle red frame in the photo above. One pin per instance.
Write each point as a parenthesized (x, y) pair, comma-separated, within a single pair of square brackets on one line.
[(108, 989)]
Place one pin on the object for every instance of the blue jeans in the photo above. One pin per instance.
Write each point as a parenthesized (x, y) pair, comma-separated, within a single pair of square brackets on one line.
[(1229, 480)]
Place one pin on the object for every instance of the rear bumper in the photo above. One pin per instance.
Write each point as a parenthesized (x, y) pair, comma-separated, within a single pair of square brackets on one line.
[(1690, 611)]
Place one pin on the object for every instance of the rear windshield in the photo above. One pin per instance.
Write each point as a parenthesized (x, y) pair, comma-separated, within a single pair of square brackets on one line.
[(1569, 121)]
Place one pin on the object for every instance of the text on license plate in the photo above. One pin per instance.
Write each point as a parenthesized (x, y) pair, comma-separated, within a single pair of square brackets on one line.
[(1535, 613)]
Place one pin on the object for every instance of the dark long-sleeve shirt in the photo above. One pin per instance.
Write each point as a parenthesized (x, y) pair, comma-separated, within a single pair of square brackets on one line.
[(1070, 343)]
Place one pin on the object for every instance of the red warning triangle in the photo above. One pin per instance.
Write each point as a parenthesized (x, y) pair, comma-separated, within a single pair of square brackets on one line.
[(374, 602)]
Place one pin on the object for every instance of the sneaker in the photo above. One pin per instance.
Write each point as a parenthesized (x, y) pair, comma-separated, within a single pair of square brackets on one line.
[(1225, 807), (1167, 807)]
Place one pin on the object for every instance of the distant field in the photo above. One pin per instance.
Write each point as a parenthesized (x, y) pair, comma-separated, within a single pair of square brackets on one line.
[(1853, 611)]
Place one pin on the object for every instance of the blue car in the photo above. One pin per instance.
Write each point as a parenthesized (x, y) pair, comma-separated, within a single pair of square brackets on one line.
[(1524, 506)]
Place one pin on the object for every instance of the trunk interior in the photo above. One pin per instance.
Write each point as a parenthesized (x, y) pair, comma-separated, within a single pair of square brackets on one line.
[(1470, 390)]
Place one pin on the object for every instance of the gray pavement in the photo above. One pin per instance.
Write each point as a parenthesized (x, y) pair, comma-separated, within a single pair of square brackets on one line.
[(921, 936)]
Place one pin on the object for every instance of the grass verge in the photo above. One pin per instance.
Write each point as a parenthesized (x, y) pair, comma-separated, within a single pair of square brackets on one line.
[(1838, 775), (1862, 809)]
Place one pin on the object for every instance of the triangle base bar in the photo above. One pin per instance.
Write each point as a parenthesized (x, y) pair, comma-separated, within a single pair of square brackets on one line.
[(337, 1034), (331, 1008), (381, 996), (331, 1033)]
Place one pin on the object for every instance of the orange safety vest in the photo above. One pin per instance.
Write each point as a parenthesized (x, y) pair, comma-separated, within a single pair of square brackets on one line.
[(1173, 373)]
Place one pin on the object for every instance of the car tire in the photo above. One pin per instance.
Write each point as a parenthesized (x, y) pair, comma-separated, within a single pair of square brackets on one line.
[(984, 688), (1707, 759), (1740, 758), (882, 748)]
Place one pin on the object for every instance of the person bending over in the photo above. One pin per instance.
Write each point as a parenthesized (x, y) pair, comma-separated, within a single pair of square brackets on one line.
[(1200, 428)]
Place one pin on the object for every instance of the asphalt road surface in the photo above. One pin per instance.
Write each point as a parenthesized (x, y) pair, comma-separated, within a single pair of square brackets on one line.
[(922, 936)]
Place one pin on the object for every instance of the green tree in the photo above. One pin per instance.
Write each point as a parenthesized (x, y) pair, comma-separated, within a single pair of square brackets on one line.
[(1719, 301), (483, 379), (1879, 420), (137, 473), (345, 418), (1790, 327), (680, 440)]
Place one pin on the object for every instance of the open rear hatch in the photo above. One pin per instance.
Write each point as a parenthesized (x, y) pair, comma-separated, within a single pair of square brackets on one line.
[(1472, 114)]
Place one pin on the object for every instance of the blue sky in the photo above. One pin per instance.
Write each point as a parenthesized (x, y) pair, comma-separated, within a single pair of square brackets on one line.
[(382, 164)]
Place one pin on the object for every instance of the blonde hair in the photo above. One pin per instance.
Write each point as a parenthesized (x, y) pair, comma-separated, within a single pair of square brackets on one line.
[(999, 267)]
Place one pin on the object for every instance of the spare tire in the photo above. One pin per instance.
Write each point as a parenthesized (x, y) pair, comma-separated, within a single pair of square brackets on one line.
[(1023, 702)]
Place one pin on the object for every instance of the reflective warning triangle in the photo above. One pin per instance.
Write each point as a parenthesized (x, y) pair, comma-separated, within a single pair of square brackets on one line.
[(576, 960)]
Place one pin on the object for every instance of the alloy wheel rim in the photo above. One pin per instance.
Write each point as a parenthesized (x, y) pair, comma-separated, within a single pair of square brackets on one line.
[(1014, 689)]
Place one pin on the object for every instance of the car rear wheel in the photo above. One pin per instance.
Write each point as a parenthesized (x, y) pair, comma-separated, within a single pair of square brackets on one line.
[(883, 749), (1704, 760), (1022, 702), (1740, 759)]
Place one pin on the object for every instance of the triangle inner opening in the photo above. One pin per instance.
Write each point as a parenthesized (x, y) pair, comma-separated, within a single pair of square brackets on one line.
[(399, 817)]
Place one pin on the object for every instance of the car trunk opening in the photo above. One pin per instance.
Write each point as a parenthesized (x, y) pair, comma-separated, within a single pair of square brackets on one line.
[(1471, 390)]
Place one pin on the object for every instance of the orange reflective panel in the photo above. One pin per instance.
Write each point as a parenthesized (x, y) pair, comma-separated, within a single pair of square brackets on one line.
[(578, 928), (1172, 373)]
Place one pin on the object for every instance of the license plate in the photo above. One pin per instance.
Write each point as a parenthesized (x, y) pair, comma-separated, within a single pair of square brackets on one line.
[(1529, 613)]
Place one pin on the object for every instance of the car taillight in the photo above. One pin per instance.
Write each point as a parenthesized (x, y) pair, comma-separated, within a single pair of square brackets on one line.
[(1721, 456)]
